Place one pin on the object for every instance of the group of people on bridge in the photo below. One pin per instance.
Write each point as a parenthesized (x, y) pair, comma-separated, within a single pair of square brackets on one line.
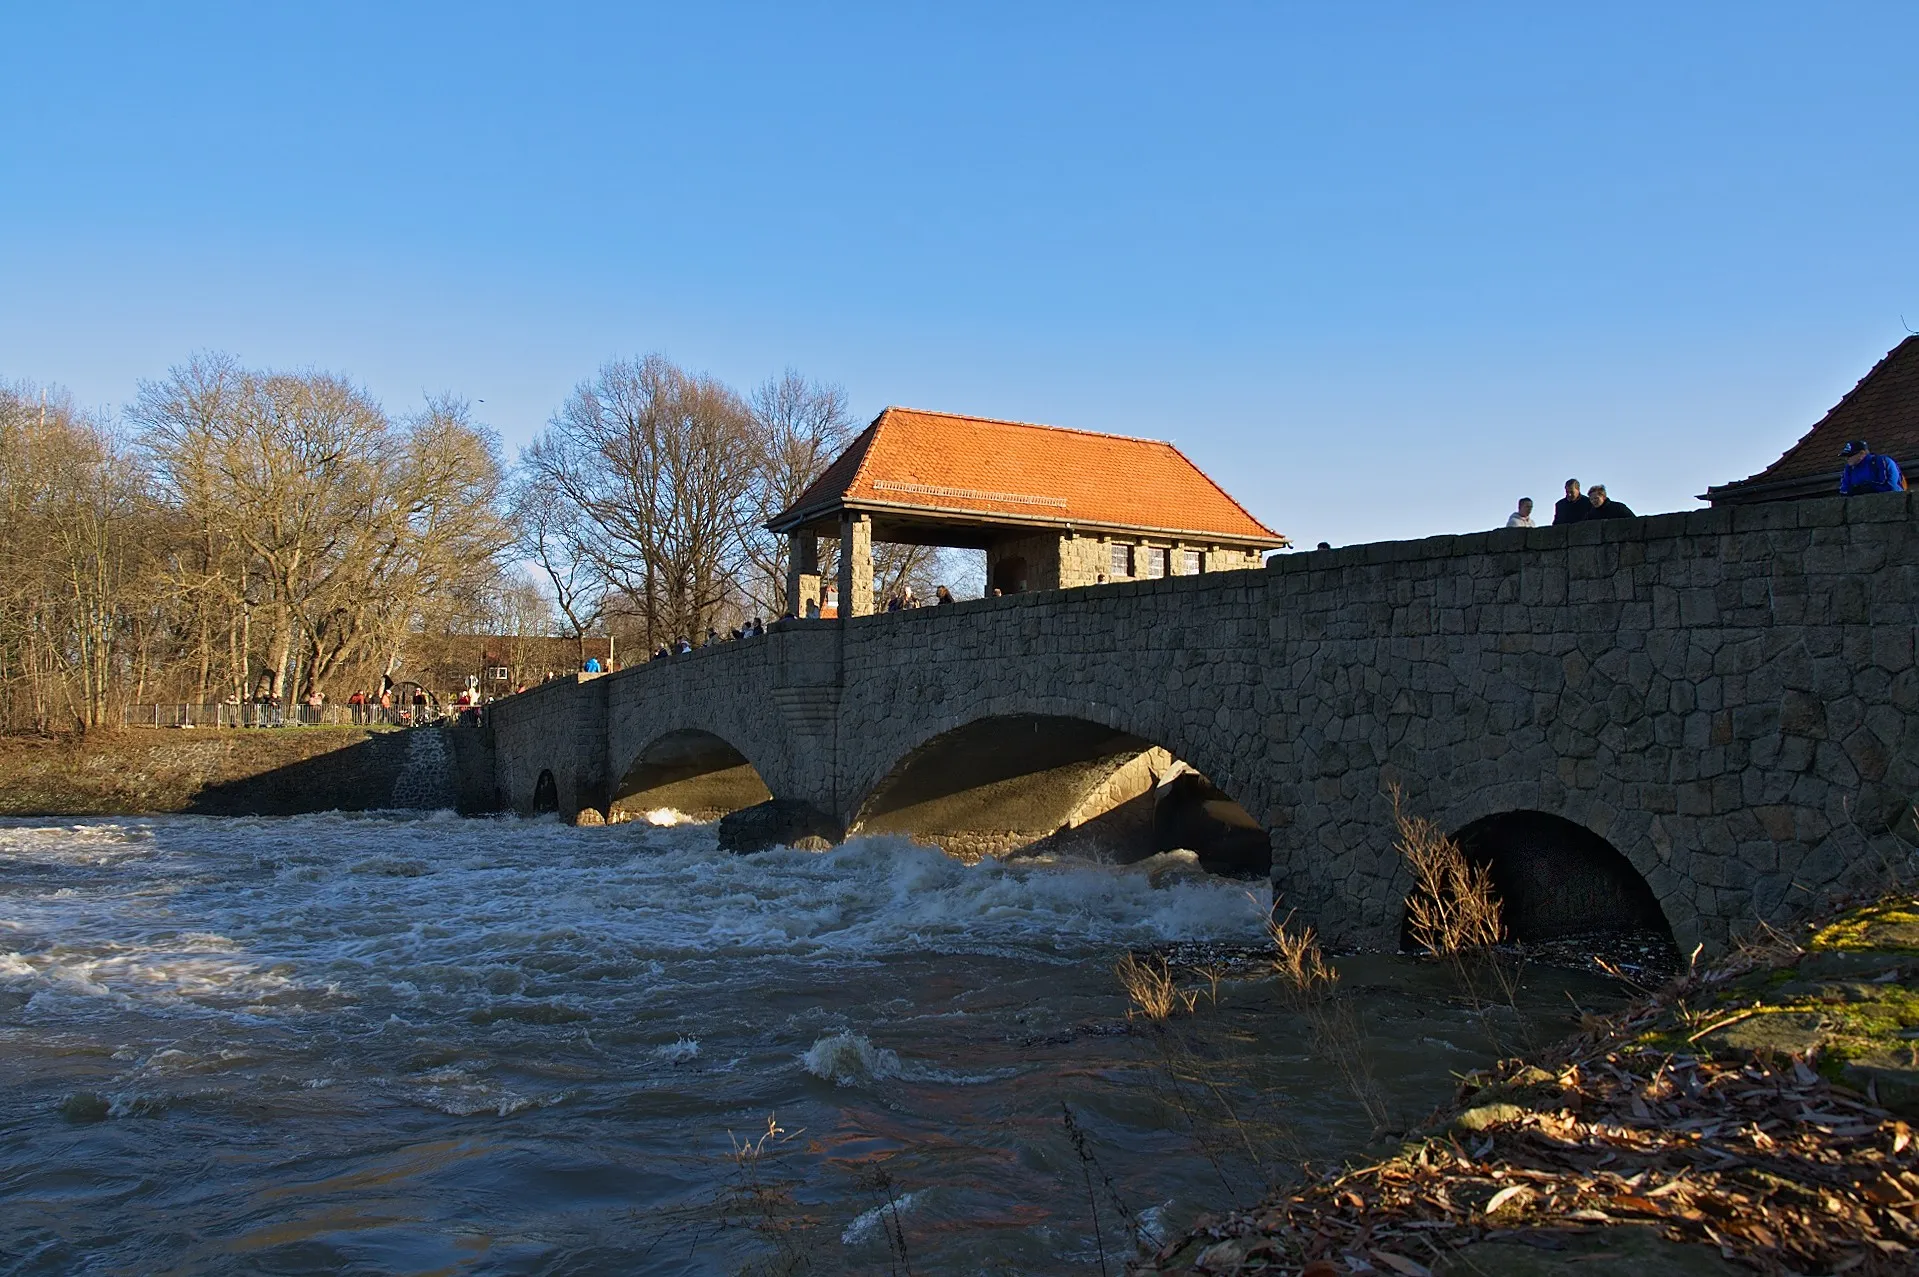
[(1865, 471), (1574, 507)]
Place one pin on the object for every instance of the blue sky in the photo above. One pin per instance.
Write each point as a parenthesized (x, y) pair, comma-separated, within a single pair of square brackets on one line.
[(1381, 268)]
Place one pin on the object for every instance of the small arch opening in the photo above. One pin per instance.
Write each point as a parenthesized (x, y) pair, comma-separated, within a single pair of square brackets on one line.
[(1030, 783), (691, 772), (1556, 879), (546, 793)]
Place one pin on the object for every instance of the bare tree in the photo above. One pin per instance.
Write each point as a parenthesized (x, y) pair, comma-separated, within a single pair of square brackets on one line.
[(77, 527), (431, 529), (204, 566), (553, 533), (660, 464), (799, 427), (320, 513)]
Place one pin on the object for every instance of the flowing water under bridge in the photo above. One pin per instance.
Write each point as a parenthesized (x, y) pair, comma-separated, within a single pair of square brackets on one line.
[(1701, 720)]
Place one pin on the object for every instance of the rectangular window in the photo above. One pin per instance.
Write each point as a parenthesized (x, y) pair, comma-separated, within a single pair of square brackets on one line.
[(499, 673), (1191, 566), (1155, 564), (1122, 560)]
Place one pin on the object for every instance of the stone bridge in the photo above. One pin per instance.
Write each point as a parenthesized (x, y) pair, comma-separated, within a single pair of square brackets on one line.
[(1705, 719)]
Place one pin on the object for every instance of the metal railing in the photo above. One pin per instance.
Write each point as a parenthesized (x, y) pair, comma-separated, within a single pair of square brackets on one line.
[(255, 714)]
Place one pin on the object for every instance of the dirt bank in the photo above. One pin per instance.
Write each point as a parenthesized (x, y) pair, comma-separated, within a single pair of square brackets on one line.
[(148, 771), (1750, 1118)]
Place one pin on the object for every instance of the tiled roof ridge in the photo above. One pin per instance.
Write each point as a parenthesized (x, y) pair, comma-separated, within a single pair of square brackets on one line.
[(1104, 475), (1898, 352), (867, 437), (1235, 502), (1031, 425), (824, 486), (1075, 430), (1857, 386)]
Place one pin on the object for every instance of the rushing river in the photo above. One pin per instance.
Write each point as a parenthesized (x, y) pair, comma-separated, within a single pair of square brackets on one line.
[(383, 1044)]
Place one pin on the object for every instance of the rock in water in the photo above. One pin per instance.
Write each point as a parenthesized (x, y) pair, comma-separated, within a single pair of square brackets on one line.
[(778, 822)]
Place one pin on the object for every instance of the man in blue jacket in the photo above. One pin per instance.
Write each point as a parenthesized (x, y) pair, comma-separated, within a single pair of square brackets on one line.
[(1868, 471)]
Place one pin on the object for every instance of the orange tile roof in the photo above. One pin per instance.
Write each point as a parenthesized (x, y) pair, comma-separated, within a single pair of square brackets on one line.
[(1883, 409), (939, 463)]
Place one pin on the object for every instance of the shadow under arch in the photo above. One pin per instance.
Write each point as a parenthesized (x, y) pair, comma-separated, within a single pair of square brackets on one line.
[(546, 793), (1022, 782), (1556, 878), (692, 772)]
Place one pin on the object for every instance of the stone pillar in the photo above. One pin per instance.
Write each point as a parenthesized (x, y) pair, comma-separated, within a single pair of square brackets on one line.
[(856, 564), (803, 573)]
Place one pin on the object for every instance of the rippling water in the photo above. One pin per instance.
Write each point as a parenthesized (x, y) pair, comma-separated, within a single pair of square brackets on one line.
[(429, 1045)]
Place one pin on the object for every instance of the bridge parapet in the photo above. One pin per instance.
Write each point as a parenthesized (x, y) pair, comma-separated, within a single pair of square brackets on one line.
[(1728, 697)]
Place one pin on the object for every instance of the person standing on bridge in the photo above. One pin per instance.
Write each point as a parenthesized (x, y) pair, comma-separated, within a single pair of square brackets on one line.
[(1868, 471), (1572, 508), (1523, 516), (1605, 508), (943, 595)]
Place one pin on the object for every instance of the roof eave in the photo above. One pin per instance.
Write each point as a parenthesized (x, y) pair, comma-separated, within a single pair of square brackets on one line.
[(1755, 490), (797, 519)]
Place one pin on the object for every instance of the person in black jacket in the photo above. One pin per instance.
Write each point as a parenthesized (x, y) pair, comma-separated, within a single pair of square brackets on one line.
[(1572, 508), (1603, 508)]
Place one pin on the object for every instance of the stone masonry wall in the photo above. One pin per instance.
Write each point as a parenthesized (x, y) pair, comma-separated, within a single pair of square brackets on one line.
[(559, 727), (1727, 696), (775, 699), (1174, 661)]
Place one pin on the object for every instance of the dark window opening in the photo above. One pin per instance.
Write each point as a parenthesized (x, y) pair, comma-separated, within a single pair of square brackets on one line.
[(546, 793)]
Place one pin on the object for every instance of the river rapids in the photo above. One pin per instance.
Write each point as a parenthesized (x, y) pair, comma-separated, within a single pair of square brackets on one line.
[(393, 1043)]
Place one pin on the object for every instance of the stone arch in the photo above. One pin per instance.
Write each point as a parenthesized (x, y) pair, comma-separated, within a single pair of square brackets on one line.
[(1556, 878), (689, 770), (1638, 840), (997, 783), (546, 792), (1230, 753)]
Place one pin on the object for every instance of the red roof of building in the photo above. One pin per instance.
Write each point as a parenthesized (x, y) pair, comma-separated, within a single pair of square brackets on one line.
[(939, 463), (1883, 409)]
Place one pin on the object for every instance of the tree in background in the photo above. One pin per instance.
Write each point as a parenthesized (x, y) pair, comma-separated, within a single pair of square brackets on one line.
[(314, 512), (799, 426), (659, 464), (553, 535), (77, 572), (281, 534)]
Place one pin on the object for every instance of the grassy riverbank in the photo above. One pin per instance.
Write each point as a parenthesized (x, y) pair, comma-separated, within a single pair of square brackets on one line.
[(147, 771), (1751, 1117)]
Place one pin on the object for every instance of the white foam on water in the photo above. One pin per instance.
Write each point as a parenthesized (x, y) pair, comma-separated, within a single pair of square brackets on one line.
[(849, 1059), (679, 1051), (868, 1222), (525, 920)]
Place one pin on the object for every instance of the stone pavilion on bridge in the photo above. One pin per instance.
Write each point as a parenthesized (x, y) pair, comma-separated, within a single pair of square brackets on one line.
[(1052, 508)]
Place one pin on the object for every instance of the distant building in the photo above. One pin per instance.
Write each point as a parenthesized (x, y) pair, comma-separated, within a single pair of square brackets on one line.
[(1052, 508), (501, 662), (1883, 409)]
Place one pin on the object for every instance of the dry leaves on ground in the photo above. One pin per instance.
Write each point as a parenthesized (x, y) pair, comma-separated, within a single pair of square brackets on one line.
[(1780, 1169)]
